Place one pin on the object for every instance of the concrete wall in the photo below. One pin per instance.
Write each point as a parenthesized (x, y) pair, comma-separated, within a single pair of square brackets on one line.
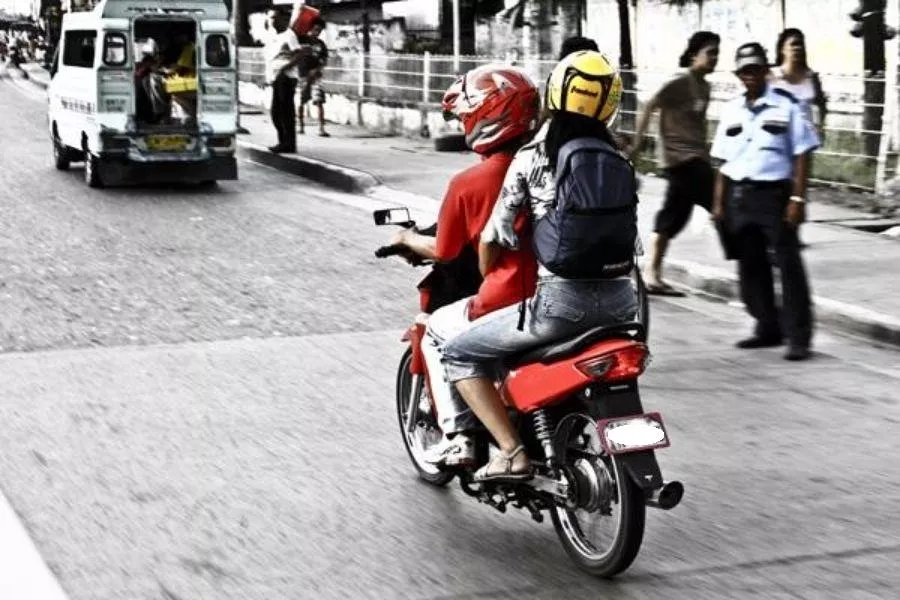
[(660, 31)]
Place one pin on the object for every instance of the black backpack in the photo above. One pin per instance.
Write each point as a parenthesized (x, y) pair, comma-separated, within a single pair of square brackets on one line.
[(591, 229)]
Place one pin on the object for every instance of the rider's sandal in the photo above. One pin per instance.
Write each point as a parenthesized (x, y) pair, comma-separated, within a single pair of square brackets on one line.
[(507, 474)]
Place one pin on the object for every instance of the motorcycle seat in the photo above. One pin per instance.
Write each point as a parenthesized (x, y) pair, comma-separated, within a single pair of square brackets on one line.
[(557, 351)]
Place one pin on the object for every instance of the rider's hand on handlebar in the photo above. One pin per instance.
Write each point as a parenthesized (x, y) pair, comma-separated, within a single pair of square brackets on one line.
[(401, 238)]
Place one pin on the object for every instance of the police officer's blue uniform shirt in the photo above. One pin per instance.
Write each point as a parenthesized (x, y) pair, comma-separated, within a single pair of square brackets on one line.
[(760, 142)]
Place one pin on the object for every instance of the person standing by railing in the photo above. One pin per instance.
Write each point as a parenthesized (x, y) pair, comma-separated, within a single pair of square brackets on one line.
[(682, 102), (793, 74)]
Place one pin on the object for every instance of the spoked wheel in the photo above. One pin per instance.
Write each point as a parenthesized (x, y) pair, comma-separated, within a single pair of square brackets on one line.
[(418, 426), (602, 525)]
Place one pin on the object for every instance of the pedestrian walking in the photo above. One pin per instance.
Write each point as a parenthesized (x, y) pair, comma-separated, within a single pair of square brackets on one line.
[(684, 153), (792, 73), (764, 141)]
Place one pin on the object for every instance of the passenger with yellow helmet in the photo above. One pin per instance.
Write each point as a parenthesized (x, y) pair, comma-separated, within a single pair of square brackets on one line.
[(582, 98)]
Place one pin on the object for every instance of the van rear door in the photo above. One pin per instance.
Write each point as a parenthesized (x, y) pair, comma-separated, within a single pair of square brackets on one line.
[(217, 88)]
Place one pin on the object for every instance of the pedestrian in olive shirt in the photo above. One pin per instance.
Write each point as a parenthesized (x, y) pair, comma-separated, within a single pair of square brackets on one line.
[(684, 153)]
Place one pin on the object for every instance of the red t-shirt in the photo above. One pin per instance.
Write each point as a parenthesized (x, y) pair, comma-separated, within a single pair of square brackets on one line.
[(464, 212)]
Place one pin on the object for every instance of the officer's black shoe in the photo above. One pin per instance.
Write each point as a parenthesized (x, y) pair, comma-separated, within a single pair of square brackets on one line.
[(796, 353), (757, 341)]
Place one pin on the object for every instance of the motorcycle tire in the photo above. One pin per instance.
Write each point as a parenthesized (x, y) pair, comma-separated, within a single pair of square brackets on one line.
[(629, 533), (405, 382)]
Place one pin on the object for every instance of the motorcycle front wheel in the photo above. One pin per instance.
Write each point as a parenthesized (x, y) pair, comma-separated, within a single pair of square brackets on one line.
[(418, 426), (602, 525)]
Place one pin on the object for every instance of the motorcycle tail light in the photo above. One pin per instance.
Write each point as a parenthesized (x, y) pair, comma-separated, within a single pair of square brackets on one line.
[(618, 365)]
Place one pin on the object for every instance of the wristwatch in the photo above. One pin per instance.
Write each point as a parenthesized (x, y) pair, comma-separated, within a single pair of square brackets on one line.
[(798, 199)]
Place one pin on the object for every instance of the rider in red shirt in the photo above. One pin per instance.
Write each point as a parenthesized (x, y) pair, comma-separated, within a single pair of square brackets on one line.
[(498, 107)]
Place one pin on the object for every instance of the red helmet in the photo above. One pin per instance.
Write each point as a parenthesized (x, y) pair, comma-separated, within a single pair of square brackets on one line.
[(495, 104)]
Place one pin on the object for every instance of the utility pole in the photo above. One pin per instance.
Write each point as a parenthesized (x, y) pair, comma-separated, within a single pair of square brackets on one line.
[(456, 37), (629, 104), (870, 26)]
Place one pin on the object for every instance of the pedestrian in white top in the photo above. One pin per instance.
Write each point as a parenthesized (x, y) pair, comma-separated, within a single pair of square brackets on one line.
[(793, 74), (283, 53)]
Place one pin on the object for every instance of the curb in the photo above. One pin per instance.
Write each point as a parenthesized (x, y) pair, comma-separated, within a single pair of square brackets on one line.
[(27, 72), (336, 176), (833, 313)]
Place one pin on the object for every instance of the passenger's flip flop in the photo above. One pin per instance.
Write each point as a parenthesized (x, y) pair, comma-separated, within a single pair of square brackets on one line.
[(664, 290), (507, 474)]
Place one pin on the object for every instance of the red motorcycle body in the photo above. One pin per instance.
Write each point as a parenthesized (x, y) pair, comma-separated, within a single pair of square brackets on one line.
[(536, 385)]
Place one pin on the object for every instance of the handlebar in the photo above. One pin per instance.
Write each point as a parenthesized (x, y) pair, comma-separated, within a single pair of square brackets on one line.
[(385, 251)]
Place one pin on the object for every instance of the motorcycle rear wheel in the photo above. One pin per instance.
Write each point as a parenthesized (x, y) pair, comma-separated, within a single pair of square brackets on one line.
[(618, 552), (411, 388)]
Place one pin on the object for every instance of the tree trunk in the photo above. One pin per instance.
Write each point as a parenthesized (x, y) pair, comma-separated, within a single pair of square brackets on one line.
[(570, 16), (628, 107), (537, 41)]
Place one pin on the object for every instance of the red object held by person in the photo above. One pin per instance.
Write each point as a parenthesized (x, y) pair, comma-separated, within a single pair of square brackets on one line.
[(304, 20)]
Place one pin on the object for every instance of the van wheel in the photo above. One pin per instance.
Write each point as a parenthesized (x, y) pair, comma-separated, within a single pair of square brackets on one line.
[(60, 155), (92, 166)]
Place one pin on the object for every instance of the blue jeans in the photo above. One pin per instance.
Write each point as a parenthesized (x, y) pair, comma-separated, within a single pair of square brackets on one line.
[(560, 309)]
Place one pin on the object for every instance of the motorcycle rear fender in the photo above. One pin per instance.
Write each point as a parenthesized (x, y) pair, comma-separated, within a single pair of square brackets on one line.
[(537, 385), (642, 468), (414, 336)]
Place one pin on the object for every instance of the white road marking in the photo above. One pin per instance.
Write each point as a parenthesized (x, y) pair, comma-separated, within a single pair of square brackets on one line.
[(23, 573)]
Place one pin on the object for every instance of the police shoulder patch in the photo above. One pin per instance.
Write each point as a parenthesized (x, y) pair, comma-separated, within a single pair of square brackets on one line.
[(786, 94)]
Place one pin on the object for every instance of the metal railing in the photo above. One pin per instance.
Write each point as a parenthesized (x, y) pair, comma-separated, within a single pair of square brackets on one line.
[(845, 159)]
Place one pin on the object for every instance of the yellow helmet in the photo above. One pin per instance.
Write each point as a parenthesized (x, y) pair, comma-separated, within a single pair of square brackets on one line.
[(585, 83)]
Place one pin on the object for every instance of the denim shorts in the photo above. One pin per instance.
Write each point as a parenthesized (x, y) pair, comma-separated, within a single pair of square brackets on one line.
[(560, 309)]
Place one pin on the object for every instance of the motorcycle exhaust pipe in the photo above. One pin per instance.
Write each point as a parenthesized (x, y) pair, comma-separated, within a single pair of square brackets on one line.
[(666, 497)]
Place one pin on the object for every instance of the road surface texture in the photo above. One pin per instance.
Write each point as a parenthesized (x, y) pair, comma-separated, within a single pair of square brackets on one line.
[(198, 404)]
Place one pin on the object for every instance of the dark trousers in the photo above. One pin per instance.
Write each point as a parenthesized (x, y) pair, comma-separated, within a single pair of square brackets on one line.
[(755, 217), (690, 183), (284, 111)]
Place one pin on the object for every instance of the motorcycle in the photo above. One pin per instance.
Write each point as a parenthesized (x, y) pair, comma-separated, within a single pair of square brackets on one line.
[(577, 407)]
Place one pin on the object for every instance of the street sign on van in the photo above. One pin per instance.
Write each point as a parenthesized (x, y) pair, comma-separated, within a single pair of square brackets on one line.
[(205, 9)]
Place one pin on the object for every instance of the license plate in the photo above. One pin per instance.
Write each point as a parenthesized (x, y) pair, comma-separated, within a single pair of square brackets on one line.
[(166, 143), (633, 434)]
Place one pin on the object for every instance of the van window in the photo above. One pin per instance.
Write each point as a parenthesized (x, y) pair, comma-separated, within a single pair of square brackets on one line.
[(79, 48), (217, 54), (114, 50)]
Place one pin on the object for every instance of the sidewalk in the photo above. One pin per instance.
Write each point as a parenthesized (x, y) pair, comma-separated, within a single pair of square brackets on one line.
[(855, 274)]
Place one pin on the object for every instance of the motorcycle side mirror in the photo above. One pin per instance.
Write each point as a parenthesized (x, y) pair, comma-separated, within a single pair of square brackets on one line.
[(393, 216)]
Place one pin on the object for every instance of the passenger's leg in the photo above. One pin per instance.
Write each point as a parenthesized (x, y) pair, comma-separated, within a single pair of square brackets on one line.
[(453, 414)]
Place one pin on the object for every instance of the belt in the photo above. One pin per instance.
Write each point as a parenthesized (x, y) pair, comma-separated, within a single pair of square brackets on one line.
[(761, 185)]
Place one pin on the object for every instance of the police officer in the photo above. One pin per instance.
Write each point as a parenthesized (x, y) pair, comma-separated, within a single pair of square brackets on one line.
[(764, 143)]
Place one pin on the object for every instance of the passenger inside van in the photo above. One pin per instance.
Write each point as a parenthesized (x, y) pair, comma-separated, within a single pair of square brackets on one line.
[(166, 77), (151, 100)]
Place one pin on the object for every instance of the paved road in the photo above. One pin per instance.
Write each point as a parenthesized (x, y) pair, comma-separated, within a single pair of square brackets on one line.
[(197, 404)]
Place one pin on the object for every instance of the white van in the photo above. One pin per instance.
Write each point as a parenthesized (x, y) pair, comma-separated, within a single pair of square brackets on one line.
[(145, 91)]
